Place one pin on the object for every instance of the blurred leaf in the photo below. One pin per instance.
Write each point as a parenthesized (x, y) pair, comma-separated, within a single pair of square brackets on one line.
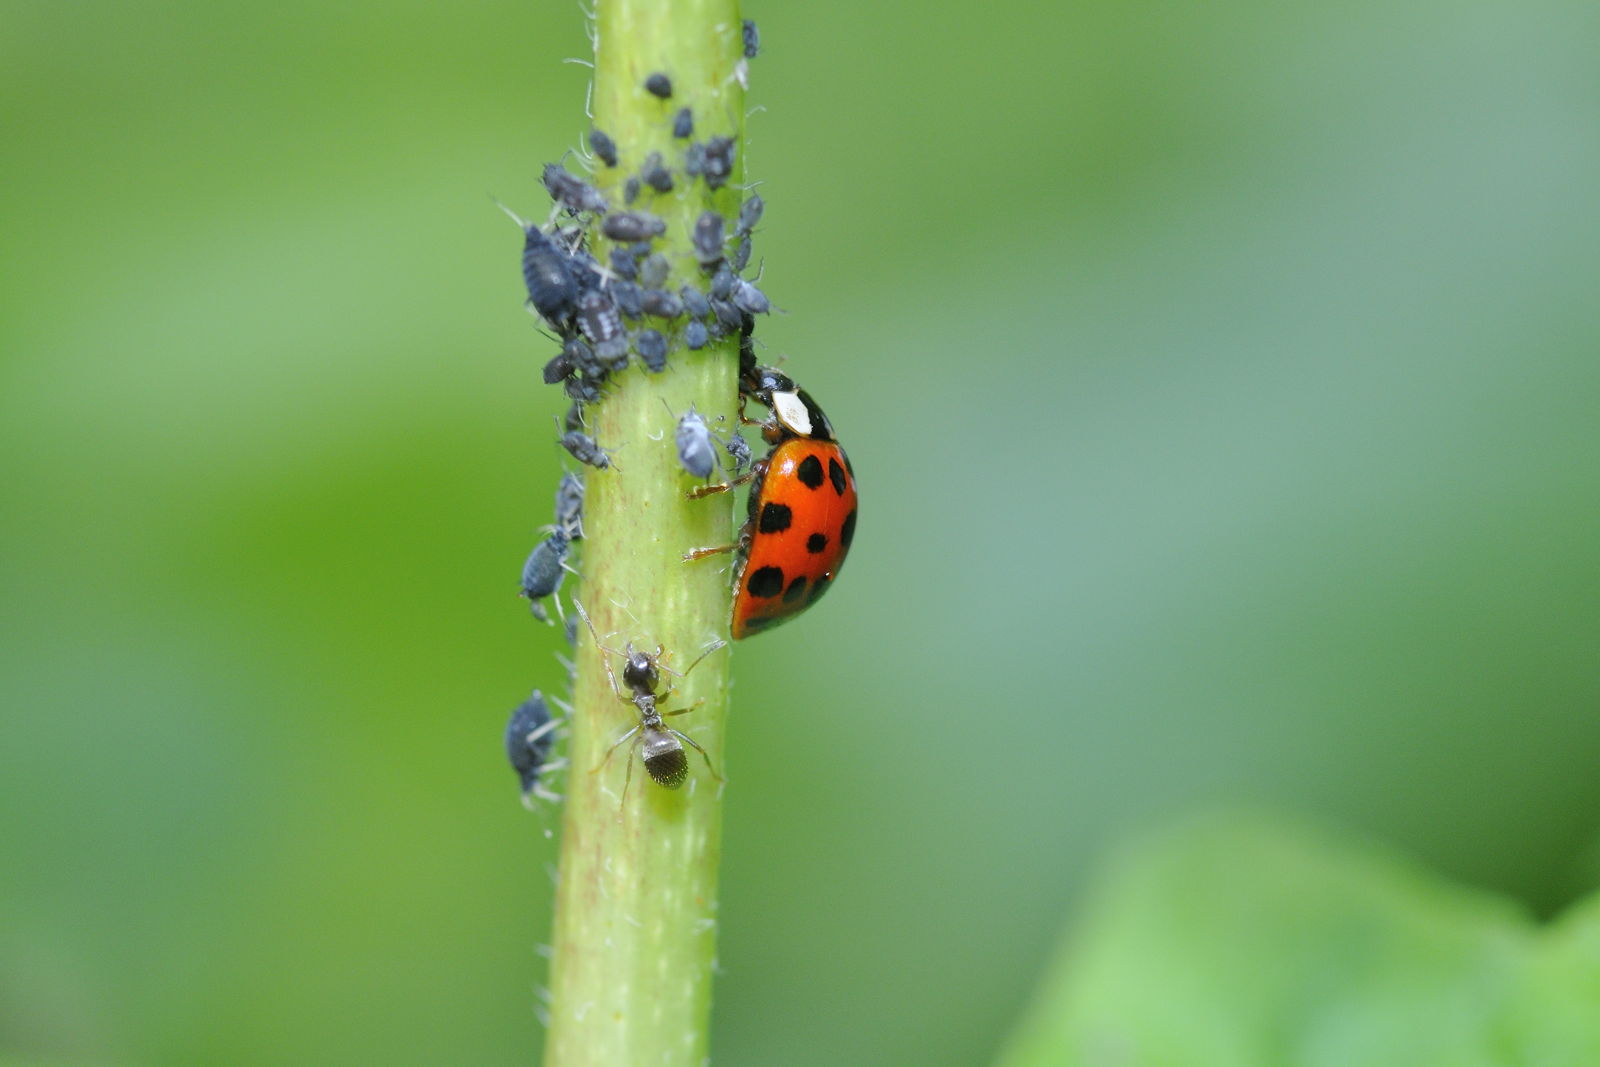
[(1239, 940)]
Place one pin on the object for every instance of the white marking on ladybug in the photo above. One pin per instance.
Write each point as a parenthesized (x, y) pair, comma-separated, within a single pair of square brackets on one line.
[(791, 411)]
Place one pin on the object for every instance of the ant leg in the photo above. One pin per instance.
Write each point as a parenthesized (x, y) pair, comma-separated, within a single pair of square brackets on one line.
[(612, 750), (719, 643), (681, 736), (576, 603), (627, 780), (701, 553), (684, 710)]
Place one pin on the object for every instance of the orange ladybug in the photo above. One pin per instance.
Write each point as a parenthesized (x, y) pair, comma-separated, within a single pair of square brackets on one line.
[(802, 508)]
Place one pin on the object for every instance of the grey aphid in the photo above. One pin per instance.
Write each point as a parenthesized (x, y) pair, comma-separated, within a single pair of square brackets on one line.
[(694, 160), (658, 84), (741, 254), (632, 226), (694, 302), (604, 147), (623, 265), (598, 318), (707, 239), (748, 298), (683, 123), (653, 271), (750, 213), (739, 449), (752, 39), (722, 283), (695, 449), (570, 191), (530, 734), (695, 335), (662, 304), (545, 568), (585, 449), (655, 174), (652, 349), (630, 190), (569, 506), (720, 153), (626, 295)]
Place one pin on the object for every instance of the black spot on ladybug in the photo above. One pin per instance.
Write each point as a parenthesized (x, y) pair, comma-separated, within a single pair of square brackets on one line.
[(810, 472), (847, 532), (836, 476), (766, 582), (757, 623), (816, 543), (796, 590), (775, 518), (818, 589)]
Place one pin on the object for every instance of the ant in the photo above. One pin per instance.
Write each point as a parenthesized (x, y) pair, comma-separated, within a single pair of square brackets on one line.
[(661, 746)]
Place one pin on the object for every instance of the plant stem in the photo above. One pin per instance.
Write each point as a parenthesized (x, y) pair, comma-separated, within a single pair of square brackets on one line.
[(636, 900)]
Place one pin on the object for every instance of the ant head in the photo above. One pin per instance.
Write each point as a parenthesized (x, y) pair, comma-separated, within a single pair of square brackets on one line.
[(664, 759), (639, 671)]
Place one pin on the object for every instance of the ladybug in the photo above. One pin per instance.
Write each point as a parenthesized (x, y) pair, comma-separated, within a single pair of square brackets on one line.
[(802, 514)]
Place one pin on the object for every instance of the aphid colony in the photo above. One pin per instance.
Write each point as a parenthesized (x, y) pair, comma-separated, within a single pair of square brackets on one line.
[(802, 506)]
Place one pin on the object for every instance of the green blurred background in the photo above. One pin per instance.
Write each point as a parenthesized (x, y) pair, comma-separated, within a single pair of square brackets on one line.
[(1222, 383)]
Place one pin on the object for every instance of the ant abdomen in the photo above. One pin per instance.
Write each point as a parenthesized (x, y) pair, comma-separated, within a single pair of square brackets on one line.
[(664, 759)]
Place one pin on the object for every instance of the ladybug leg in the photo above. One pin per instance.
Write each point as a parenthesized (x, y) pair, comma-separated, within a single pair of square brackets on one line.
[(701, 553), (720, 487), (681, 736)]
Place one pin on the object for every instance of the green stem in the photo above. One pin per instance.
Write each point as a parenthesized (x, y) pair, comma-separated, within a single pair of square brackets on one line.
[(636, 901)]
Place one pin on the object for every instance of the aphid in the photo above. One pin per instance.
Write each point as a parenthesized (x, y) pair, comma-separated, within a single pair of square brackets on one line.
[(558, 368), (632, 226), (585, 449), (695, 336), (653, 270), (574, 420), (623, 265), (695, 449), (544, 570), (802, 512), (582, 358), (683, 123), (547, 272), (571, 191), (569, 506), (583, 390), (694, 160), (752, 39), (739, 449), (604, 147), (722, 283), (659, 84), (613, 354), (747, 297), (741, 254), (626, 296), (661, 303), (729, 317), (655, 175), (652, 349), (720, 153), (630, 190), (707, 239), (694, 302), (660, 746), (529, 737), (750, 213), (597, 317)]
